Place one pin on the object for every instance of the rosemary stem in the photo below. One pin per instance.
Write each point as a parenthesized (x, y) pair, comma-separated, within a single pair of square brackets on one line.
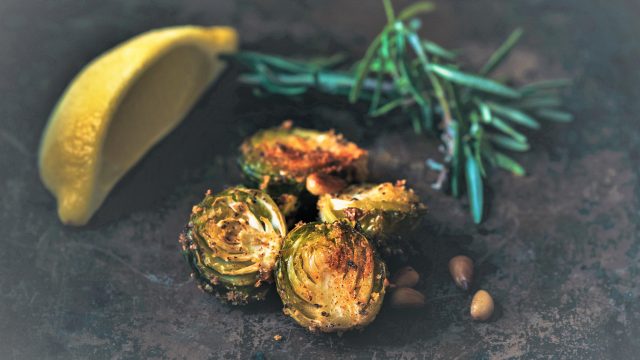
[(324, 80)]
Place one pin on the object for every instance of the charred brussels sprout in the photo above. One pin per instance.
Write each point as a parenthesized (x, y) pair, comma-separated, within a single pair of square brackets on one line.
[(329, 277), (232, 243), (279, 160), (382, 212)]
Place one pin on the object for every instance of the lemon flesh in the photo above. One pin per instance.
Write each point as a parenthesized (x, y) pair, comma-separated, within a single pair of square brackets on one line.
[(119, 106)]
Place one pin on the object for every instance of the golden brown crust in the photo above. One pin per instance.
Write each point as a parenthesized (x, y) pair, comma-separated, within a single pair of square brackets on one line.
[(298, 156)]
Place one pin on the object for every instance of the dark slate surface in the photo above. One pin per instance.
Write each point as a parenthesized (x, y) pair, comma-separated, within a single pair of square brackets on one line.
[(559, 250)]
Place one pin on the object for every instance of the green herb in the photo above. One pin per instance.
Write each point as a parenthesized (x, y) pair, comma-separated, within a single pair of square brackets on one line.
[(473, 114)]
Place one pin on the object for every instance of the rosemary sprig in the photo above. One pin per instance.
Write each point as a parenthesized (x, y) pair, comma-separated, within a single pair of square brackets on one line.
[(475, 116)]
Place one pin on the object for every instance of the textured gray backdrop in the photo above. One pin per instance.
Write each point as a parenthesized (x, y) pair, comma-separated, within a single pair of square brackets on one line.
[(559, 250)]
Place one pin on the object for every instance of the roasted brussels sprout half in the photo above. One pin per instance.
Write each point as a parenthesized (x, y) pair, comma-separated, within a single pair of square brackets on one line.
[(329, 277), (232, 242), (382, 212), (279, 160)]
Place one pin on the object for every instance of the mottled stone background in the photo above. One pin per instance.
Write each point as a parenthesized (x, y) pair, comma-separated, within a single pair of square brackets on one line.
[(560, 248)]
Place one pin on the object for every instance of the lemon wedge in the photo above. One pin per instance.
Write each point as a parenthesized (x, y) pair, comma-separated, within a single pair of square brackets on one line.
[(119, 106)]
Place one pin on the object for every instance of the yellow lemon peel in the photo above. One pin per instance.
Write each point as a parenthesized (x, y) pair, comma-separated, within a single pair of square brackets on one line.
[(119, 106)]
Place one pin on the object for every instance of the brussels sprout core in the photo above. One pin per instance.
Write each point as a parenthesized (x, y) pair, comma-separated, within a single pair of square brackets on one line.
[(329, 278), (380, 211), (232, 243), (279, 160)]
